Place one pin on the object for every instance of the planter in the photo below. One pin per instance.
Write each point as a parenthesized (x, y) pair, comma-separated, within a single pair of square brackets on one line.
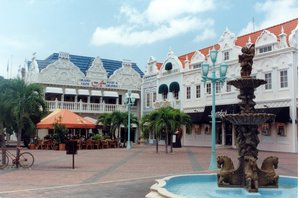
[(31, 146), (61, 147)]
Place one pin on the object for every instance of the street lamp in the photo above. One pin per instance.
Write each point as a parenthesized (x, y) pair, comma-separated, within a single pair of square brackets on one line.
[(129, 101), (213, 79)]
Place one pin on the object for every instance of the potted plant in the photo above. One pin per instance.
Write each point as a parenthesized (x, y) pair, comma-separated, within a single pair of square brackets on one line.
[(60, 134)]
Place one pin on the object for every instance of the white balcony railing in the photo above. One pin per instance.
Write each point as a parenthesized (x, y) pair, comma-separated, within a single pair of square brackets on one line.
[(82, 107)]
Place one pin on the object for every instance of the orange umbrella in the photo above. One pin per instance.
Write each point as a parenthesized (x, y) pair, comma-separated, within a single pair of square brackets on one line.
[(65, 117)]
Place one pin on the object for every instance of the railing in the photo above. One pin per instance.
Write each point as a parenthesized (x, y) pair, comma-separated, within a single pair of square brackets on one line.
[(82, 107)]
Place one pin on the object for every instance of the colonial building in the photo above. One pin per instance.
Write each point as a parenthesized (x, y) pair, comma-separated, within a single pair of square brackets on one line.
[(177, 82), (86, 85)]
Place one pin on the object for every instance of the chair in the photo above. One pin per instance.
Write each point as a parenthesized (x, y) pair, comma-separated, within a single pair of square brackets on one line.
[(105, 144), (112, 143), (39, 144), (97, 144), (89, 144)]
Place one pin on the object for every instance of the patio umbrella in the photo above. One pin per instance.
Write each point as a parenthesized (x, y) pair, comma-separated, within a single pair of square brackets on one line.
[(65, 117)]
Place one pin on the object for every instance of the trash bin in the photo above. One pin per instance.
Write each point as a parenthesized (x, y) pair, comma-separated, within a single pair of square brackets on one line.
[(71, 147)]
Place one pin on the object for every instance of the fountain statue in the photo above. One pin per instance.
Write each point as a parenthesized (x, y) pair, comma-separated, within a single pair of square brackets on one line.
[(246, 123)]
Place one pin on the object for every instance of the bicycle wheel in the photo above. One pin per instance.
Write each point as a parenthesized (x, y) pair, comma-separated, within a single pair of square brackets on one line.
[(26, 160), (3, 164)]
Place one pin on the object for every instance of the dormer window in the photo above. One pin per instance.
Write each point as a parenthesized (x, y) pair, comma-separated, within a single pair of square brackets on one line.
[(196, 66), (225, 55), (168, 66), (265, 49)]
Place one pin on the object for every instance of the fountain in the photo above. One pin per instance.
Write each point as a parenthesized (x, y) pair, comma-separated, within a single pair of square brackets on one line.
[(256, 182)]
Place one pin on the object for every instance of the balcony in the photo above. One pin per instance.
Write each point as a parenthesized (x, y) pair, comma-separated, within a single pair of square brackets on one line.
[(82, 107), (176, 104)]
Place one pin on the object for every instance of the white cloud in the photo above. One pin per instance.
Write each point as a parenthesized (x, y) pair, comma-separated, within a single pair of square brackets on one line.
[(275, 11), (128, 36), (160, 11), (205, 35), (161, 20)]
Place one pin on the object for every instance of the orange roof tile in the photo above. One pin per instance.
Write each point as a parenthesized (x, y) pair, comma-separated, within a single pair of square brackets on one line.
[(242, 40)]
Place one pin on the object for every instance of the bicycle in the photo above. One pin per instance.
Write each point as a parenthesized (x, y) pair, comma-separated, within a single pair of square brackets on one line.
[(26, 159)]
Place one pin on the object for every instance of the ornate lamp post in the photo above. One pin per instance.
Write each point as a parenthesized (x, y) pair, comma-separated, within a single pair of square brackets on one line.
[(129, 101), (213, 79)]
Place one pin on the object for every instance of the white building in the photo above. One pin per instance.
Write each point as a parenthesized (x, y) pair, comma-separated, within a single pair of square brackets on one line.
[(86, 85), (177, 82)]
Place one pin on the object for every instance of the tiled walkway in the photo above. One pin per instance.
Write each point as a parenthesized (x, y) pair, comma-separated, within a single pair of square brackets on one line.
[(114, 172)]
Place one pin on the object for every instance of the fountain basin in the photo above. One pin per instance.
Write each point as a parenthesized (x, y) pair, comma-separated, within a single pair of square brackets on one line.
[(249, 118), (242, 83), (205, 186)]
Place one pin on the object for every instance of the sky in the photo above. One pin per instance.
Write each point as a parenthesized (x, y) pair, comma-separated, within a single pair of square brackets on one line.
[(126, 29)]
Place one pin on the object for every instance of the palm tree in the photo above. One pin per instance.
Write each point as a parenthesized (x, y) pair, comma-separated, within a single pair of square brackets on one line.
[(25, 103), (105, 119), (165, 119), (148, 124), (117, 119), (181, 118)]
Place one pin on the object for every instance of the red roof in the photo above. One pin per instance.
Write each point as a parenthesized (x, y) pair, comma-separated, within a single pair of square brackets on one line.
[(242, 40)]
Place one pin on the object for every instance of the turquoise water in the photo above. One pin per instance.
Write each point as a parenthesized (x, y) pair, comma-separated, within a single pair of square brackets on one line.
[(205, 186)]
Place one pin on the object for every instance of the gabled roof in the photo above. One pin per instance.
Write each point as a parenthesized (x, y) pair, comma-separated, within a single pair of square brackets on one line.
[(84, 62), (242, 40)]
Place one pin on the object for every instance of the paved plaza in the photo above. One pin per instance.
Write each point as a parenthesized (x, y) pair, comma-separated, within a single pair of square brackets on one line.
[(115, 173)]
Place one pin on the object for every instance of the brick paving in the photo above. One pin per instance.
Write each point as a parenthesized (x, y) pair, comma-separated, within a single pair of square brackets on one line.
[(115, 172)]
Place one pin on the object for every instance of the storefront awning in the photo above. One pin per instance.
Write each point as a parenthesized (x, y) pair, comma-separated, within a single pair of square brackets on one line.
[(229, 109), (96, 93), (282, 113), (57, 90), (110, 94), (83, 92), (70, 91), (163, 89), (174, 87), (135, 95), (196, 118)]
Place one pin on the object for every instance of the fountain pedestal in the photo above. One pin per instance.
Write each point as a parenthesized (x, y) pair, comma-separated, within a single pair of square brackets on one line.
[(247, 174)]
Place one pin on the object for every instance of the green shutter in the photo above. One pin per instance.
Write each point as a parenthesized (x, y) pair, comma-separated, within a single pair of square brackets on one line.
[(174, 87), (163, 89)]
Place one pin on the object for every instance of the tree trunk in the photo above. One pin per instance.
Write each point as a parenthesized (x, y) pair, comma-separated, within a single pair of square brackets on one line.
[(18, 145), (157, 143), (166, 141), (171, 143)]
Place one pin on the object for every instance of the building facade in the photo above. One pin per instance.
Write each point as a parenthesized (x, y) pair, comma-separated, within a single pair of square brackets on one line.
[(177, 82), (86, 85)]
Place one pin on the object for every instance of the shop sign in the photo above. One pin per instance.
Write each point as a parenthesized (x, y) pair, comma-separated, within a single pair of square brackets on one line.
[(99, 84)]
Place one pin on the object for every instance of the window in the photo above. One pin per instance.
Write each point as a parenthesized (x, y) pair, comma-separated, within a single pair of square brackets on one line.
[(164, 95), (209, 88), (226, 56), (176, 95), (154, 97), (195, 66), (265, 49), (228, 88), (268, 78), (148, 99), (218, 87), (283, 78), (188, 92), (197, 91)]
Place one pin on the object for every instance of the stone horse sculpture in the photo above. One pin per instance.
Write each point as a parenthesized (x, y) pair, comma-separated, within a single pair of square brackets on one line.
[(226, 170), (267, 175)]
